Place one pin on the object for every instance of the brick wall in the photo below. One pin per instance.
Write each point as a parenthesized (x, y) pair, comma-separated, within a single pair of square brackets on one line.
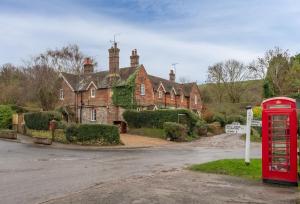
[(195, 92), (69, 95), (148, 98)]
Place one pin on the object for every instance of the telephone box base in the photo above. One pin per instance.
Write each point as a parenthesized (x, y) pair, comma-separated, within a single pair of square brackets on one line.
[(284, 183)]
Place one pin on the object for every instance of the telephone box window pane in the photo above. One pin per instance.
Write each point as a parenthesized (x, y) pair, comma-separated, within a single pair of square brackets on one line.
[(279, 143)]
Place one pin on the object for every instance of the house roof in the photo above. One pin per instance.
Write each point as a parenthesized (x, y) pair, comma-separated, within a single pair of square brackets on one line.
[(82, 81), (169, 85)]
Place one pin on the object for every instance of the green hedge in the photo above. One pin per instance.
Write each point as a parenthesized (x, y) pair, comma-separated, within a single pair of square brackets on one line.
[(157, 118), (40, 120), (107, 134), (175, 131), (5, 117)]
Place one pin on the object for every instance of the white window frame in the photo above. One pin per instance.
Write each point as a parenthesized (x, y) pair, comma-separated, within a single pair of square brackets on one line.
[(93, 114), (143, 92), (195, 100), (160, 94), (93, 92), (61, 94), (182, 97)]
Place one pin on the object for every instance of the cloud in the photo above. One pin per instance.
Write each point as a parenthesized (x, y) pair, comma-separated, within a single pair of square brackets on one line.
[(195, 35), (26, 35)]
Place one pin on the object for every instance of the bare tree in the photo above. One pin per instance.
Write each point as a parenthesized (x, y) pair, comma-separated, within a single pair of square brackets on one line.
[(11, 85), (214, 77), (66, 59), (229, 75)]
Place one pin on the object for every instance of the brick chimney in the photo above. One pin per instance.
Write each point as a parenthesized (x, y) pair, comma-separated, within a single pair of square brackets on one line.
[(114, 59), (88, 66), (172, 75), (134, 58)]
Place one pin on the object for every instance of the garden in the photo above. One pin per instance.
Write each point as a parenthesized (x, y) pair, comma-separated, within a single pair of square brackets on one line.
[(171, 124), (37, 126)]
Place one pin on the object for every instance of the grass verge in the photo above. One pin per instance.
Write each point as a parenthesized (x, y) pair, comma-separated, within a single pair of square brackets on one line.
[(232, 167)]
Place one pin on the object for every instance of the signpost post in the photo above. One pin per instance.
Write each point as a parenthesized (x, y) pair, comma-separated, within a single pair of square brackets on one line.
[(248, 133)]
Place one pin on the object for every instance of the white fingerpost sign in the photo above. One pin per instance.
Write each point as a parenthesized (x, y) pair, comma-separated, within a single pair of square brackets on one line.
[(248, 132), (235, 128)]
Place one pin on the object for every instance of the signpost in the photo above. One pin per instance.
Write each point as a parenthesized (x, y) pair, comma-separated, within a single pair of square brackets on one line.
[(248, 133), (235, 128)]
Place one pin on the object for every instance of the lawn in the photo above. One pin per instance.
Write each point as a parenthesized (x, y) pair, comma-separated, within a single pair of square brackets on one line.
[(232, 167), (59, 135), (149, 132)]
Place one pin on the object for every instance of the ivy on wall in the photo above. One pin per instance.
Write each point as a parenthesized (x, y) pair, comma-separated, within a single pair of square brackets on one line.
[(123, 93)]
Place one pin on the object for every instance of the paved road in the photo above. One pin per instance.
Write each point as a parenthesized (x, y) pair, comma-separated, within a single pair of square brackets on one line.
[(35, 174)]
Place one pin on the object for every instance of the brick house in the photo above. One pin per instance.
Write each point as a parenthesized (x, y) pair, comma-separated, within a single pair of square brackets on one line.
[(89, 96)]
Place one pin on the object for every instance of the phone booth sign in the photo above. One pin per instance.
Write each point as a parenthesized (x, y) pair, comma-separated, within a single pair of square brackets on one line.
[(279, 141)]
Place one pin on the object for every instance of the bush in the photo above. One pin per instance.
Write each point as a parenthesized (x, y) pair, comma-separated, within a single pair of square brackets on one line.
[(5, 117), (71, 132), (40, 120), (236, 118), (175, 131), (157, 118), (201, 127), (257, 112), (215, 128), (107, 134), (220, 118)]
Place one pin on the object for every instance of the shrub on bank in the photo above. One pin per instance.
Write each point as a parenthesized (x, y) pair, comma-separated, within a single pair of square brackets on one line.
[(175, 131), (201, 128), (99, 133), (5, 117), (157, 118), (40, 120)]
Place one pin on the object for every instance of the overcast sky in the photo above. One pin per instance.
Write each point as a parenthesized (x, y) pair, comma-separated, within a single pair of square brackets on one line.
[(194, 34)]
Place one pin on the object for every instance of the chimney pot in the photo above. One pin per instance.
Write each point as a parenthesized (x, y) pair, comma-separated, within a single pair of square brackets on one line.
[(88, 66)]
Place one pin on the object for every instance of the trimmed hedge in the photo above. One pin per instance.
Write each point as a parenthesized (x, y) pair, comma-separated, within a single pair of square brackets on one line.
[(5, 117), (108, 134), (175, 131), (157, 118), (40, 120)]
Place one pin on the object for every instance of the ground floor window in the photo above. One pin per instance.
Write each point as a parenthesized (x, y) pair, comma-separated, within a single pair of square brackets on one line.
[(93, 114)]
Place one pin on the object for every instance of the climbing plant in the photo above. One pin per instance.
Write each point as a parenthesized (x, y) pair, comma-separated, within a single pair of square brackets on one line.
[(123, 93)]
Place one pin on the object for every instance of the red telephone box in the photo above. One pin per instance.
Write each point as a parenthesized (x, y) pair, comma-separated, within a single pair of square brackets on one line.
[(279, 141)]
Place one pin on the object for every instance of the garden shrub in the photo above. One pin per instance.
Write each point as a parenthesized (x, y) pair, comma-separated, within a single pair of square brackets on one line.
[(108, 134), (5, 117), (257, 112), (201, 127), (175, 131), (236, 118), (218, 117), (40, 120), (71, 132), (157, 118), (215, 128)]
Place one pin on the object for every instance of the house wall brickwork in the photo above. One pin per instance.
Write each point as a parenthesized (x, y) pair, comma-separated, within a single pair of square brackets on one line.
[(148, 98), (106, 111)]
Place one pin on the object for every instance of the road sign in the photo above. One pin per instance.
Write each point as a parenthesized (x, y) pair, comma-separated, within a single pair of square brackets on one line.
[(235, 128), (256, 123)]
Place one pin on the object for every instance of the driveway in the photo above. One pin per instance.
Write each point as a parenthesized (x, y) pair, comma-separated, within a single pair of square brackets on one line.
[(35, 174)]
